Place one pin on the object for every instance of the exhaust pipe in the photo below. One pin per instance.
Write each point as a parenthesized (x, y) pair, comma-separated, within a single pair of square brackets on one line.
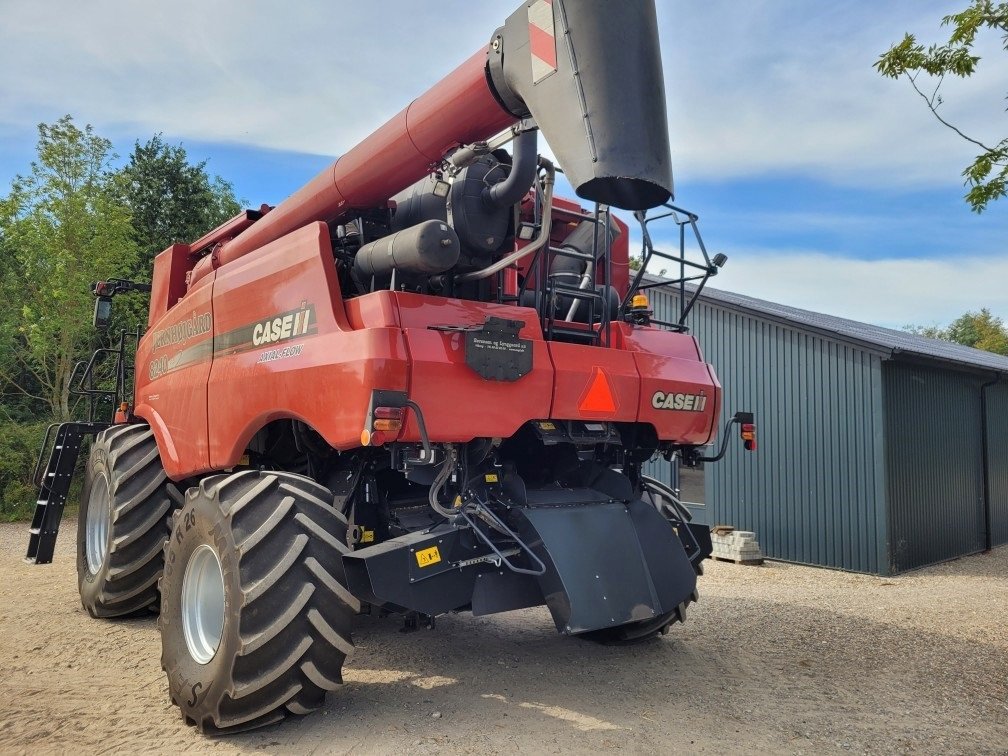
[(589, 72)]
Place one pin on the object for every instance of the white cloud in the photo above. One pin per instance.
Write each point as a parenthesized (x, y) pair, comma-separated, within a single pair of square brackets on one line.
[(760, 87), (892, 292), (782, 86)]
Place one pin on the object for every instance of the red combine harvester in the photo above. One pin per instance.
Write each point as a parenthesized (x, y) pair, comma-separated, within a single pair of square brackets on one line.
[(422, 384)]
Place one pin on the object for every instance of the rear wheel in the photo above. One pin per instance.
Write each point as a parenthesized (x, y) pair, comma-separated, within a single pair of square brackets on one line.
[(255, 619), (664, 500), (123, 522)]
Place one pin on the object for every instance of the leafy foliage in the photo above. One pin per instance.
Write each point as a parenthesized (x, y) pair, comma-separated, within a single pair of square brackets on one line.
[(981, 330), (72, 220), (171, 199), (64, 226), (987, 176), (19, 446)]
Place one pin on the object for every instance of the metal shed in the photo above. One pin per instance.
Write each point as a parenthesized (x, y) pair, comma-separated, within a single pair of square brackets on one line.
[(879, 451)]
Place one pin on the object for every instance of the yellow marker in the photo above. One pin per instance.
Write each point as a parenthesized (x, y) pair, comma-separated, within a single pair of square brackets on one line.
[(547, 426), (367, 536), (491, 477), (427, 557)]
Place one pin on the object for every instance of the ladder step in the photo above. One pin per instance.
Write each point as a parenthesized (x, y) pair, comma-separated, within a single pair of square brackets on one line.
[(577, 293)]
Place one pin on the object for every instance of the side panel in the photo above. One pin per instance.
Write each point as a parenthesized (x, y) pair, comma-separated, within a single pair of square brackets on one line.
[(168, 284), (997, 460), (594, 383), (934, 463), (172, 367), (458, 404), (671, 364), (284, 349)]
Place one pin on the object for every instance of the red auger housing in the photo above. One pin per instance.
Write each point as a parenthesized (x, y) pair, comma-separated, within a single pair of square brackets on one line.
[(423, 383)]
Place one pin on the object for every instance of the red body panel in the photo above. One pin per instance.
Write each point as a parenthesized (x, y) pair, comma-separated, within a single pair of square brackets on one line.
[(458, 404), (270, 337), (577, 376), (672, 363), (172, 367), (168, 281), (323, 375)]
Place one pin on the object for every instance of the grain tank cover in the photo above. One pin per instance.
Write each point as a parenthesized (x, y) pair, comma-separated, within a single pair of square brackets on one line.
[(590, 73)]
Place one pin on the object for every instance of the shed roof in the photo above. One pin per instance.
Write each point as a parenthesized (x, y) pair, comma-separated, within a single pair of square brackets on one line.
[(887, 339)]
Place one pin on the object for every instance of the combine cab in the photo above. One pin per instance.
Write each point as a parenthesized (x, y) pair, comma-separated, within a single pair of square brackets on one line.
[(422, 384)]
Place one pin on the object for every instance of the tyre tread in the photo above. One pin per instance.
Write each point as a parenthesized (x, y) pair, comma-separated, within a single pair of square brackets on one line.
[(143, 499), (292, 614)]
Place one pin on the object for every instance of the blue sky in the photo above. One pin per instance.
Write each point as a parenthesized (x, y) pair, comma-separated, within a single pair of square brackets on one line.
[(827, 186)]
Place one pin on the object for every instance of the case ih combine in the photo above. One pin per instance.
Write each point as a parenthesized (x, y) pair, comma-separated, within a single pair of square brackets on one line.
[(422, 384)]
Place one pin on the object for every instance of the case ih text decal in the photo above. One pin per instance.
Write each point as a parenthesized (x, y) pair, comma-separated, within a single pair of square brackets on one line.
[(684, 402), (284, 326)]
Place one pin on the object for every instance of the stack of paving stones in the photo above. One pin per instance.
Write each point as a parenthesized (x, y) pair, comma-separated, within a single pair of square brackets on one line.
[(738, 546)]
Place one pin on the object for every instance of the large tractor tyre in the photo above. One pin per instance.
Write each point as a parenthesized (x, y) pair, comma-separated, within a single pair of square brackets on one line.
[(643, 630), (124, 521), (637, 632), (255, 616)]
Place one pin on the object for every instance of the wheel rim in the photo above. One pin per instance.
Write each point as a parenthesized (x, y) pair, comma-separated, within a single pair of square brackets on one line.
[(99, 520), (203, 604)]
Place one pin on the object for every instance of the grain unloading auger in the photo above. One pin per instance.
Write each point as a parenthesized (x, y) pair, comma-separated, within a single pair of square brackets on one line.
[(422, 384)]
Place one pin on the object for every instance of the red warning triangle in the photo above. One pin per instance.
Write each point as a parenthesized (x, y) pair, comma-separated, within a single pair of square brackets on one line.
[(598, 397)]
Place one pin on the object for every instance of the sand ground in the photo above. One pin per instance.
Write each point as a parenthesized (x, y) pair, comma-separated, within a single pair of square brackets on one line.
[(776, 658)]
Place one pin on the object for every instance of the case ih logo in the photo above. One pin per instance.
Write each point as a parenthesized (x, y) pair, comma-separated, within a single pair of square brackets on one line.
[(684, 402), (287, 325)]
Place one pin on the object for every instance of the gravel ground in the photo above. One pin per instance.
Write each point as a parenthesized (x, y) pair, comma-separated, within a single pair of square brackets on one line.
[(777, 658)]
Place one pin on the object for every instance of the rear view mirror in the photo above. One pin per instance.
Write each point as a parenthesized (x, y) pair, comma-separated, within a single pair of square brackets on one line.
[(102, 312)]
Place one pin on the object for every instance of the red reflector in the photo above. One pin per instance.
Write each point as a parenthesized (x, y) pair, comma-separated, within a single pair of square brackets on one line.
[(388, 413), (598, 397)]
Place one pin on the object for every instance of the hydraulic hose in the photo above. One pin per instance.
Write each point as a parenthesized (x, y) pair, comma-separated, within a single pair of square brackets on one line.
[(438, 484)]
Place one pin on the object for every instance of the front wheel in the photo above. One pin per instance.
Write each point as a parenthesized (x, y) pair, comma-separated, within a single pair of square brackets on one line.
[(123, 522), (255, 615)]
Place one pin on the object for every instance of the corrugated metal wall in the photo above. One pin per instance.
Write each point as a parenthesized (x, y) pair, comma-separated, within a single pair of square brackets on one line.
[(814, 492), (935, 473), (997, 448)]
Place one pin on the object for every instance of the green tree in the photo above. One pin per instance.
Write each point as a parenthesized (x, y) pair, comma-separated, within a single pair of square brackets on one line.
[(172, 200), (987, 176), (63, 226), (980, 330)]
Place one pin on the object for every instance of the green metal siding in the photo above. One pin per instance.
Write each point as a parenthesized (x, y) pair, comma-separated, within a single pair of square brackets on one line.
[(814, 490), (934, 468), (997, 460)]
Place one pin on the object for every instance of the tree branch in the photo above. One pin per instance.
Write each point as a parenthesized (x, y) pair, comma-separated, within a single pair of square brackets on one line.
[(941, 120)]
